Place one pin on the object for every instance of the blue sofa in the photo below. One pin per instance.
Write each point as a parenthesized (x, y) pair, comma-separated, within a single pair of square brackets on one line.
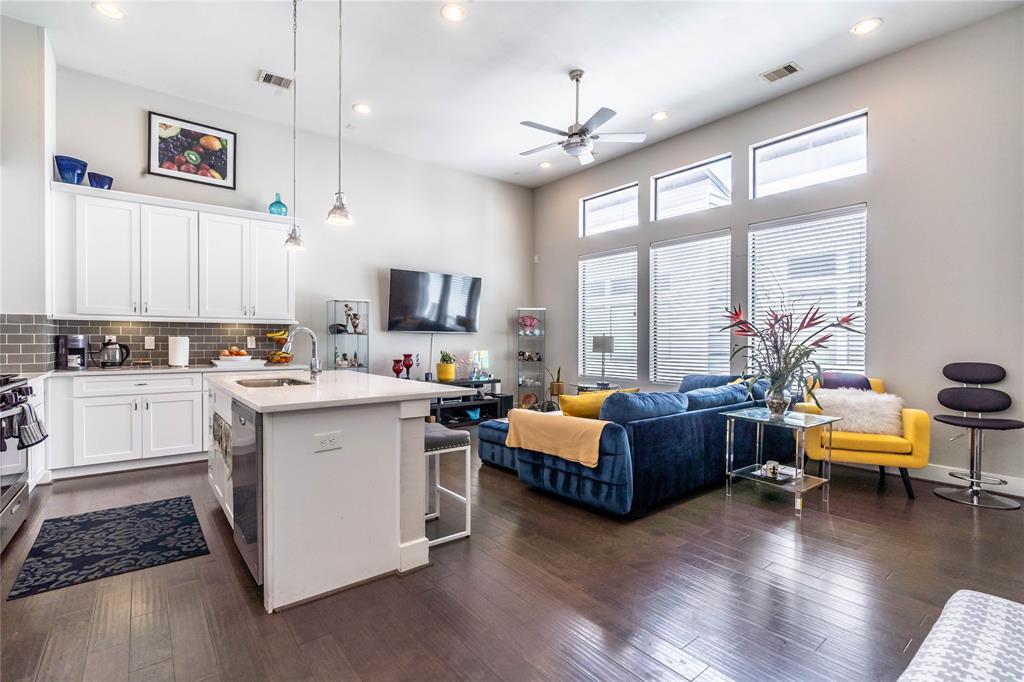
[(652, 453)]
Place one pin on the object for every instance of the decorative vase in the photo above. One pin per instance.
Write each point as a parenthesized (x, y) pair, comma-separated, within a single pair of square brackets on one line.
[(557, 388), (70, 169), (396, 367), (407, 363), (277, 206), (777, 403), (446, 371)]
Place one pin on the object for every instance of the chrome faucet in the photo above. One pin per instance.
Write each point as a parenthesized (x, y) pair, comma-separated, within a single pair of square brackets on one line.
[(314, 362)]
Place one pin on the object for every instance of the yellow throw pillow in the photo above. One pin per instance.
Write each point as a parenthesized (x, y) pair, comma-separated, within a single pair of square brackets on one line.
[(588, 405)]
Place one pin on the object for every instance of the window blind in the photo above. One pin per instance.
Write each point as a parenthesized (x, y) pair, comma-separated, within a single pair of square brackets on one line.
[(692, 189), (689, 297), (607, 306), (820, 259), (611, 210)]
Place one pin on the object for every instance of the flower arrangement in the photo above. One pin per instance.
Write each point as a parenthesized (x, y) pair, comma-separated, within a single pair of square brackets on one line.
[(782, 351)]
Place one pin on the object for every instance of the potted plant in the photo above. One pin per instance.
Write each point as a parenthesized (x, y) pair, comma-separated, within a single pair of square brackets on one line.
[(782, 351), (446, 367), (556, 387)]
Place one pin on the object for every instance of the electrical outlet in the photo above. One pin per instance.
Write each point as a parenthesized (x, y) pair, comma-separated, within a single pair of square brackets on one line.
[(149, 343), (325, 442), (110, 338), (250, 342)]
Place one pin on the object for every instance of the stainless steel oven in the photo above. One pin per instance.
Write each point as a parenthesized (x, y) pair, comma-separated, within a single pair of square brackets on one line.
[(20, 429)]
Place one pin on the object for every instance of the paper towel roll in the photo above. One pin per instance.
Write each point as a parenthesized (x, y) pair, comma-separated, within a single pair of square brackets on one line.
[(177, 351)]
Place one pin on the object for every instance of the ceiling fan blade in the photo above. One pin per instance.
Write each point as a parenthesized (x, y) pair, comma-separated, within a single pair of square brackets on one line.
[(620, 137), (546, 129), (600, 117), (540, 149), (586, 158)]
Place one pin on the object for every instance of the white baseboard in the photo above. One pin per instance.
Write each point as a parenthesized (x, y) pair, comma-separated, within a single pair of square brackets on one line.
[(938, 473), (413, 554), (111, 467)]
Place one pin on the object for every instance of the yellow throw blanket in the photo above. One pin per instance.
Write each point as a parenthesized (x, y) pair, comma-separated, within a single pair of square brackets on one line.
[(572, 438)]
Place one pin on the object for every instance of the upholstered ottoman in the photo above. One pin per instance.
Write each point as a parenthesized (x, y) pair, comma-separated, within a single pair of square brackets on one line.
[(492, 449)]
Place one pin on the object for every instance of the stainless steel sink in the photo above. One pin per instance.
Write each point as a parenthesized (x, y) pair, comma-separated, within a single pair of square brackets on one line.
[(271, 383)]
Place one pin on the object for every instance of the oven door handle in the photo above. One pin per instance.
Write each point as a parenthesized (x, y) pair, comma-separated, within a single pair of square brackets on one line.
[(10, 413)]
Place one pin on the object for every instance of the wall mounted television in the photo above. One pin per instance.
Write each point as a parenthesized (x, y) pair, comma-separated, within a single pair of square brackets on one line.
[(433, 302)]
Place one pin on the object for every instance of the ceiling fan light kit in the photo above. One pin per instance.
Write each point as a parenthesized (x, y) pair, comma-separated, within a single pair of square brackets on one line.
[(580, 137)]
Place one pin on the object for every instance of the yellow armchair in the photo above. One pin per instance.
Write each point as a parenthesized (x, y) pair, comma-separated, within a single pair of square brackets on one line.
[(909, 451)]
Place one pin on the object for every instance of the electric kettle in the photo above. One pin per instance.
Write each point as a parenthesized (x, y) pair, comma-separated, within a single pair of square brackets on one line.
[(110, 354)]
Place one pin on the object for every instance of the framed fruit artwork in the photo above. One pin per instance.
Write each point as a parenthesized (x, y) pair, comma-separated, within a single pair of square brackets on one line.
[(186, 150)]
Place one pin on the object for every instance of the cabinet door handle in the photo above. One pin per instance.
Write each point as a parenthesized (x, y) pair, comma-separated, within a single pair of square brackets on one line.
[(142, 384), (245, 311), (146, 403), (145, 307), (254, 311), (135, 306), (135, 405)]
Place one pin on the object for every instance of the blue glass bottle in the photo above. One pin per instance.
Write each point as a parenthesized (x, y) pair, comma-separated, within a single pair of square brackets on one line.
[(277, 207)]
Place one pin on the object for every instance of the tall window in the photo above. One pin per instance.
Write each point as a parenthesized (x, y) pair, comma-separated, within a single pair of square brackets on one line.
[(820, 259), (607, 291), (689, 297), (695, 188), (611, 210), (823, 154)]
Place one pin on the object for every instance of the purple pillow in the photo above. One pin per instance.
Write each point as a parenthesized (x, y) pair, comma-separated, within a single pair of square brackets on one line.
[(845, 380)]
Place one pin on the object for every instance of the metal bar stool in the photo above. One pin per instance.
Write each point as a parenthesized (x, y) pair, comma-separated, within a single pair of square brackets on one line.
[(973, 397), (440, 440)]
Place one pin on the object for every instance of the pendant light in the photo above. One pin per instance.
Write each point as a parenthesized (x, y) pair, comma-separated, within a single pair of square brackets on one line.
[(294, 240), (339, 213)]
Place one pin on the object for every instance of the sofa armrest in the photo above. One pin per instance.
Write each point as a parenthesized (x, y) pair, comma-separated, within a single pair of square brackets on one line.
[(917, 428)]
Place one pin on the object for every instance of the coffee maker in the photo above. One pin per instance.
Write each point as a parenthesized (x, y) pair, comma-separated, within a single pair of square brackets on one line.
[(71, 351)]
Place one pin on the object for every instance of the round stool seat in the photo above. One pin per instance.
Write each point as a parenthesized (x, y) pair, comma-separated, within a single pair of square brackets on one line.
[(979, 423), (438, 437)]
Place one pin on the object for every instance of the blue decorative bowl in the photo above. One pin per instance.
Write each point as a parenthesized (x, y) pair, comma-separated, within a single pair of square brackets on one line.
[(70, 169), (101, 181)]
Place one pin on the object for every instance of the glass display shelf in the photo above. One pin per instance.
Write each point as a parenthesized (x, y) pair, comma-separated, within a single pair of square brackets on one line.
[(531, 379), (348, 335)]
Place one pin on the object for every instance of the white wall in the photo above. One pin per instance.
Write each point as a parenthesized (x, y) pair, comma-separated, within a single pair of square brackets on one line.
[(944, 195), (25, 165), (409, 214)]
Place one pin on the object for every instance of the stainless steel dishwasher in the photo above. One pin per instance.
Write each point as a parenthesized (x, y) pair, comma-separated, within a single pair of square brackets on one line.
[(247, 492)]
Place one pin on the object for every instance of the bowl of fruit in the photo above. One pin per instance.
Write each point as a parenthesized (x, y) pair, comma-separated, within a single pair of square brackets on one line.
[(232, 356), (279, 357), (280, 337)]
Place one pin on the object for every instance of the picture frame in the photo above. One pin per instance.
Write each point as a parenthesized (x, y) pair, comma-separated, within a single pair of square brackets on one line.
[(190, 151)]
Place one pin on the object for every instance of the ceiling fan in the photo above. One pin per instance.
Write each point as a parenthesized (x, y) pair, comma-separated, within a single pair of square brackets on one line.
[(580, 137)]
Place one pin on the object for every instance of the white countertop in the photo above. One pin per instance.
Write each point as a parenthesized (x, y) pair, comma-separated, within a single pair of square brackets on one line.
[(252, 365), (334, 389)]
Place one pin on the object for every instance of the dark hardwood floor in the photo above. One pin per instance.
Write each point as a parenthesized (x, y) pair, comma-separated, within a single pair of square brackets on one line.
[(706, 589)]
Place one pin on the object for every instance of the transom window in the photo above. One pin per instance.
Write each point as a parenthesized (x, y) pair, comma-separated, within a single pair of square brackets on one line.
[(611, 210), (694, 188), (607, 307), (823, 154)]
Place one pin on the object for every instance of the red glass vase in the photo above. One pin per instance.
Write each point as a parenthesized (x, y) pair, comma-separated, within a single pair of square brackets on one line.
[(396, 367), (407, 363)]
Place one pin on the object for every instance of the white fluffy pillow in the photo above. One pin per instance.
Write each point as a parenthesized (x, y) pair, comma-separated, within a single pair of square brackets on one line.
[(863, 411)]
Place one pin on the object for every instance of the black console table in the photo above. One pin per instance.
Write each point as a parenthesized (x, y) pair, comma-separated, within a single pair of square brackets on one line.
[(460, 411)]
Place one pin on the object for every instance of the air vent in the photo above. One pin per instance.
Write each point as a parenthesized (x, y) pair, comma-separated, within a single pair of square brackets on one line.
[(274, 79), (780, 72)]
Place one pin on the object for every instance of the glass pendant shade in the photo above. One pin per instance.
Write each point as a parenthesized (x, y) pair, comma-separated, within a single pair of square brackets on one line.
[(294, 241), (339, 213)]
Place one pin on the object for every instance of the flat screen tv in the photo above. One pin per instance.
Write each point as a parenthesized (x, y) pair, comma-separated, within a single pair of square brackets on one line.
[(433, 302)]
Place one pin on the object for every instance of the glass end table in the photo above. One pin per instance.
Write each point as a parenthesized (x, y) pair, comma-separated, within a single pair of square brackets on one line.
[(799, 482)]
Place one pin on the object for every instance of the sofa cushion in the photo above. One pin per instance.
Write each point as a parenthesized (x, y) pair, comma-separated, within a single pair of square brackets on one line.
[(692, 382), (493, 431), (868, 442), (623, 408), (588, 404), (845, 380), (718, 396)]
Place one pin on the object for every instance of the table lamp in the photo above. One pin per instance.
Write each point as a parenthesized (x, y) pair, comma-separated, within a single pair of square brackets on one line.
[(604, 345)]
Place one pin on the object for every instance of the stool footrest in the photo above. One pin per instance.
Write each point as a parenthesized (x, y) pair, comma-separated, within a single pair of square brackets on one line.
[(986, 480)]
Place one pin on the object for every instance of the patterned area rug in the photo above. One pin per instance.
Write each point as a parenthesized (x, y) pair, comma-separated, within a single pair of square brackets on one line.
[(77, 549)]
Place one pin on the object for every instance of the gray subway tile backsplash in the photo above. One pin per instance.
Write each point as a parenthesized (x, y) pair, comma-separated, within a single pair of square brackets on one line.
[(27, 341)]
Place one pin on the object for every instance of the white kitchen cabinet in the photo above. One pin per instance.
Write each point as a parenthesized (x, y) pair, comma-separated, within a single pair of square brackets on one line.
[(37, 464), (172, 424), (107, 257), (107, 429), (271, 273), (218, 417), (223, 266), (170, 262)]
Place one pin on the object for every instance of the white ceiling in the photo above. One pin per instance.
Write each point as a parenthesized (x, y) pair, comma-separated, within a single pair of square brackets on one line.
[(455, 93)]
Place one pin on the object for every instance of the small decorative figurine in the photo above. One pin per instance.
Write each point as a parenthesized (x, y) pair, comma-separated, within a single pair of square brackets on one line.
[(356, 319), (355, 359), (344, 364)]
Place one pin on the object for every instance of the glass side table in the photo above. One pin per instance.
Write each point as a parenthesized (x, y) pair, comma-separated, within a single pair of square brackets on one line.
[(793, 480)]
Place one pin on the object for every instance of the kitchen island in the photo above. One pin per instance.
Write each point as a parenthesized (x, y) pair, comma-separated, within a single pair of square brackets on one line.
[(329, 477)]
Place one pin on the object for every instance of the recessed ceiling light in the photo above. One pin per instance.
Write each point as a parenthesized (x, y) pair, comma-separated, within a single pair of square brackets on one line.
[(659, 115), (361, 108), (108, 9), (453, 12), (544, 164), (865, 26)]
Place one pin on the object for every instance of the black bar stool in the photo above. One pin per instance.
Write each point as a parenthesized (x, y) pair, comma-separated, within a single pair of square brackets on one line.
[(973, 397)]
